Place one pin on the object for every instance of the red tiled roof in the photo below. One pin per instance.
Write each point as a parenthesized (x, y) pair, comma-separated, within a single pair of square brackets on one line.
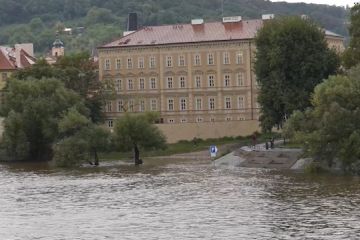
[(5, 62), (188, 33)]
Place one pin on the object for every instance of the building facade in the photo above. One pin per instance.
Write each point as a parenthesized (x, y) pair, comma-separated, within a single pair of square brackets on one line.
[(198, 76)]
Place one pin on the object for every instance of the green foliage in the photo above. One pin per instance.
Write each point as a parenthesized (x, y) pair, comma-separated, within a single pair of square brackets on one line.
[(33, 109), (351, 56), (77, 72), (330, 130), (137, 129), (104, 20), (288, 77), (80, 141)]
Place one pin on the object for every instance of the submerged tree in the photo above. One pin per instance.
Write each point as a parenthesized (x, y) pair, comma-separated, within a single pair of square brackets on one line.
[(292, 58), (138, 131), (80, 140)]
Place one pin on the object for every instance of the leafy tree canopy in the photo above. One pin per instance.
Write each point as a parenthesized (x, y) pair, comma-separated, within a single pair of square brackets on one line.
[(352, 54), (292, 58), (32, 109), (329, 130), (138, 131), (77, 72)]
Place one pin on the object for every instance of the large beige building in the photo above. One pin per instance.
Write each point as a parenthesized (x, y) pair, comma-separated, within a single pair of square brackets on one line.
[(198, 76)]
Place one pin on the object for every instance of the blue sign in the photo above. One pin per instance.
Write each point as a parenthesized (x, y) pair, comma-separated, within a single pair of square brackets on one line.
[(213, 151)]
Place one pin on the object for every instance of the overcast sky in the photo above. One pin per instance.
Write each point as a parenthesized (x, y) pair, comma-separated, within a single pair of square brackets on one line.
[(329, 2)]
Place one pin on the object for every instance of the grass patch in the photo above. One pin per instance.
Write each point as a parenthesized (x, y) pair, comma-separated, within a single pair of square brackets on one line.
[(189, 146)]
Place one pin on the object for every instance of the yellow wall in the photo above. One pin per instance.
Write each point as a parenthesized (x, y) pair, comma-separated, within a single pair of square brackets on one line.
[(188, 131)]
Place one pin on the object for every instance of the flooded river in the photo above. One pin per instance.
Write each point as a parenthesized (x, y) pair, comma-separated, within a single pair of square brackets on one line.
[(181, 200)]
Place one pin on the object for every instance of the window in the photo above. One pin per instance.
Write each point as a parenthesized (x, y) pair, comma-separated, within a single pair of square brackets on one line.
[(171, 120), (241, 102), (198, 81), (169, 82), (240, 79), (120, 106), (227, 80), (210, 59), (211, 103), (153, 83), (4, 76), (198, 104), (228, 118), (108, 106), (141, 83), (142, 106), (169, 61), (212, 119), (197, 60), (183, 104), (118, 85), (110, 123), (118, 64), (239, 58), (170, 104), (182, 82), (107, 65), (153, 105), (199, 119), (182, 61), (226, 58), (141, 62), (211, 80), (129, 63), (152, 62), (130, 84), (228, 103), (131, 105), (183, 120)]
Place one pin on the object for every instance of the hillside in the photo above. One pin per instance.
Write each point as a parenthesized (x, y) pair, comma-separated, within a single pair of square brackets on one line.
[(37, 20)]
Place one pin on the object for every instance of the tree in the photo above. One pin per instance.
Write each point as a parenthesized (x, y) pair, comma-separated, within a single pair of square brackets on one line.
[(351, 56), (292, 58), (80, 140), (138, 131), (32, 109), (329, 131), (77, 72)]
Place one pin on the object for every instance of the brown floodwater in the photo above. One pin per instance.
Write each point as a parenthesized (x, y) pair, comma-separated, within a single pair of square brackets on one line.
[(178, 200)]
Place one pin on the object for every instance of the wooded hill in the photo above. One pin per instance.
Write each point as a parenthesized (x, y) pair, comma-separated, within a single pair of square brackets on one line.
[(103, 20)]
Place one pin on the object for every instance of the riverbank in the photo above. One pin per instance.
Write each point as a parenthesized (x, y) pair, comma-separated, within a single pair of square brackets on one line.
[(260, 157)]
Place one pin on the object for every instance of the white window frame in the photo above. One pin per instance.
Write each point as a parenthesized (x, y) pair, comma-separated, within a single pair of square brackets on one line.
[(197, 60), (153, 83), (152, 62), (129, 63), (169, 84), (198, 81), (211, 80), (130, 84), (118, 63), (141, 83), (227, 103), (170, 102), (183, 104), (182, 82), (210, 59), (141, 62), (169, 61), (198, 104), (227, 80), (226, 58), (212, 103), (107, 64), (153, 105), (182, 61)]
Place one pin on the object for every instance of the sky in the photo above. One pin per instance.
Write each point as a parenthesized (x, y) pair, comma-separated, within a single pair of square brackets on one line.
[(329, 2)]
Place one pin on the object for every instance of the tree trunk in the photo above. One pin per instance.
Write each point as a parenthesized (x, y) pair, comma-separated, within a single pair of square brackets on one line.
[(96, 158), (137, 159)]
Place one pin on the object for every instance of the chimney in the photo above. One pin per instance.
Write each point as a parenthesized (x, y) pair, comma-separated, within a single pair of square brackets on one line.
[(197, 21), (132, 22)]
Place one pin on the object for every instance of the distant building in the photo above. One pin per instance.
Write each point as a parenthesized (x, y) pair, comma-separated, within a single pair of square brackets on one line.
[(57, 50), (13, 58), (198, 76)]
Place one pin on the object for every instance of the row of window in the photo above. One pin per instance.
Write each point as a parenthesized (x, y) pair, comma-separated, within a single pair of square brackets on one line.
[(170, 61), (181, 83), (198, 119), (142, 106)]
